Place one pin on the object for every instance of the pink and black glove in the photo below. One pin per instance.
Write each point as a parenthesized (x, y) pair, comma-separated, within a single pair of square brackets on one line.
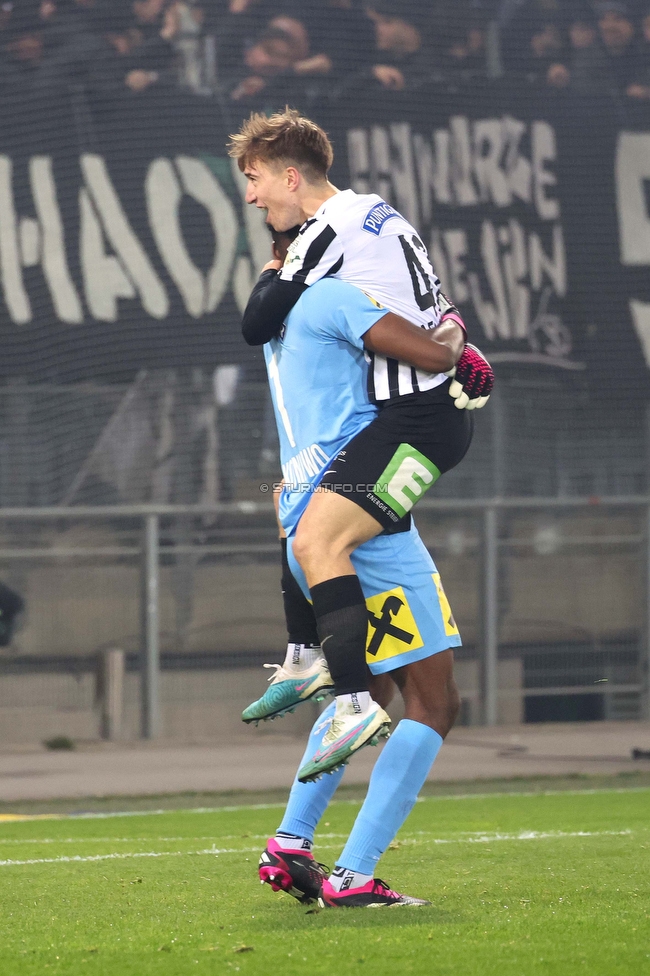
[(472, 380)]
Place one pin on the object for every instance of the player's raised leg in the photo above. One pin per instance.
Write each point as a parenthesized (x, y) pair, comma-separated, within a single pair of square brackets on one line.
[(330, 530), (432, 703), (304, 675), (371, 487)]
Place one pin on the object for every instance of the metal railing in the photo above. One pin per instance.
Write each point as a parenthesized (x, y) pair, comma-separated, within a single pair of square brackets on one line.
[(150, 550)]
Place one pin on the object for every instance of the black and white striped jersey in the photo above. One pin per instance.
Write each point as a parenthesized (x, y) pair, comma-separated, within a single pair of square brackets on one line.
[(363, 240)]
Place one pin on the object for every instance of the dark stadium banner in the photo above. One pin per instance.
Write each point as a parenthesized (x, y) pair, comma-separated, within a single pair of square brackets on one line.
[(125, 243), (536, 216)]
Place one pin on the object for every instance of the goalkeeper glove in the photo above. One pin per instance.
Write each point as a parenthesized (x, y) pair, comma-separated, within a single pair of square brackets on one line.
[(472, 380)]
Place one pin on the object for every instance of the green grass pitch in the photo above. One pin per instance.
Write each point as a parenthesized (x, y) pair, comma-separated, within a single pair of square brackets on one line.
[(521, 884)]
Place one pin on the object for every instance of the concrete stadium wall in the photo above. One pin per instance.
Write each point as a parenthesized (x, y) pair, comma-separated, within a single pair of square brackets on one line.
[(574, 592), (197, 706)]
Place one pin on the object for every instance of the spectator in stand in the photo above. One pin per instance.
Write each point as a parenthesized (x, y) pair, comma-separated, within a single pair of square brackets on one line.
[(333, 39), (73, 48), (295, 29), (341, 39), (640, 86), (458, 33), (402, 59), (617, 33), (146, 45), (5, 15), (148, 14), (604, 59), (182, 28), (56, 45), (121, 44), (535, 40), (172, 42), (239, 26), (128, 49), (23, 49), (286, 52), (47, 10), (79, 14), (272, 55), (586, 56)]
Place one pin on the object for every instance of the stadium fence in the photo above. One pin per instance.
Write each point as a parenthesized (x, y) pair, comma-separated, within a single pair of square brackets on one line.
[(190, 594)]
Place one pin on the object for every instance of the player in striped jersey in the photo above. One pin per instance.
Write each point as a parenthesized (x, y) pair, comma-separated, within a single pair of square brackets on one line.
[(376, 479)]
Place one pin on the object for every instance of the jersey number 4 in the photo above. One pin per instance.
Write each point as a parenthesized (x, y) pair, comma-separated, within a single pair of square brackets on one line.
[(420, 270)]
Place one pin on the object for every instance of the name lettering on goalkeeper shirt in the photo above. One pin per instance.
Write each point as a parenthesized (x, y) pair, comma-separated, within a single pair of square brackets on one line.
[(301, 468)]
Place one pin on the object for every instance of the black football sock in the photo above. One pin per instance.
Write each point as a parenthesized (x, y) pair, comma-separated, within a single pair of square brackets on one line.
[(342, 620), (298, 611)]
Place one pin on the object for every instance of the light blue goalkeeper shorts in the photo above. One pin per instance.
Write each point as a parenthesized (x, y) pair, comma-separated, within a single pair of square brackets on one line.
[(409, 617)]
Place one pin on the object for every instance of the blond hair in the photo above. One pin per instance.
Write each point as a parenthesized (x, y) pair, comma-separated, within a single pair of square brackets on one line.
[(286, 137)]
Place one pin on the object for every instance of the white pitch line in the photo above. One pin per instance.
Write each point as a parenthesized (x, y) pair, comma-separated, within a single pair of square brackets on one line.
[(12, 818), (130, 840), (215, 851), (78, 859), (522, 835), (470, 836), (22, 818)]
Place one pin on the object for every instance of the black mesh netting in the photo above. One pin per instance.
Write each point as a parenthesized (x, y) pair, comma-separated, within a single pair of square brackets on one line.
[(514, 135)]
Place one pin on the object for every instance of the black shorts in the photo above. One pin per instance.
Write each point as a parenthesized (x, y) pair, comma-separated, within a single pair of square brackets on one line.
[(390, 465)]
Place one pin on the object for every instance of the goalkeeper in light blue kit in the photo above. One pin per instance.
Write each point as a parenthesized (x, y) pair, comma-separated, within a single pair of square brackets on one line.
[(318, 378)]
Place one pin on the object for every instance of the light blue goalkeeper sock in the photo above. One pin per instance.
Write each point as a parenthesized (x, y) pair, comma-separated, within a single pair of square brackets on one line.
[(308, 801), (396, 780)]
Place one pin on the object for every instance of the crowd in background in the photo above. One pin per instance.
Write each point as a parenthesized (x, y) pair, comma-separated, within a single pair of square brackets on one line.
[(599, 48), (245, 50)]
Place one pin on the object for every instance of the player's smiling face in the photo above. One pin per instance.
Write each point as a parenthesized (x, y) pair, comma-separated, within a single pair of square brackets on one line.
[(272, 187)]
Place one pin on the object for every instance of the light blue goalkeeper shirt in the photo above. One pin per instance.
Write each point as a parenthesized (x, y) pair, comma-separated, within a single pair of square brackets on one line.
[(318, 377)]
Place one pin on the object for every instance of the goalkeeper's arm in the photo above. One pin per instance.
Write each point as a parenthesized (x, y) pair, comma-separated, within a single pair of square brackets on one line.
[(441, 350), (434, 351)]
